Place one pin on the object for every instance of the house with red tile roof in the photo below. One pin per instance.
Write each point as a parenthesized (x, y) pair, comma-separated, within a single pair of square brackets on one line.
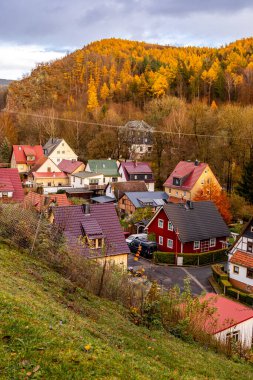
[(10, 186), (240, 260), (43, 202), (137, 171), (25, 156), (188, 178), (71, 166), (231, 321), (93, 231)]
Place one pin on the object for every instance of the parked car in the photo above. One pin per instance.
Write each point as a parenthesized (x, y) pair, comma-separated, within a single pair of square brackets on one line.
[(147, 247), (130, 238)]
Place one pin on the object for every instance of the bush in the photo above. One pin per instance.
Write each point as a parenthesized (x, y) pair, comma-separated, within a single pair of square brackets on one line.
[(190, 259), (218, 273)]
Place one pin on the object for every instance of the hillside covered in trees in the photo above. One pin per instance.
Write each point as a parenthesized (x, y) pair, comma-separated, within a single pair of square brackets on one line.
[(121, 70)]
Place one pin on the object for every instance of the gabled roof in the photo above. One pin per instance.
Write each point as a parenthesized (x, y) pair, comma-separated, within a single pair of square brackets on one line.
[(84, 174), (39, 201), (133, 167), (120, 188), (108, 168), (69, 166), (189, 172), (147, 198), (51, 145), (22, 151), (10, 182), (139, 125), (242, 258), (73, 218), (38, 164), (227, 313), (202, 221)]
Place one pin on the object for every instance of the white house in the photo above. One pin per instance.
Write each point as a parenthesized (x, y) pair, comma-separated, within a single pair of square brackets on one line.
[(240, 260), (58, 150), (231, 320), (109, 169), (84, 179)]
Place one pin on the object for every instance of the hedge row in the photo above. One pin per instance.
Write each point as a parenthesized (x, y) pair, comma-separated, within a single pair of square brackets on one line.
[(195, 259), (222, 279)]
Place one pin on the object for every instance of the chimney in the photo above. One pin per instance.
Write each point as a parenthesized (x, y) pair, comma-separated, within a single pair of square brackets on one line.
[(86, 209), (196, 163)]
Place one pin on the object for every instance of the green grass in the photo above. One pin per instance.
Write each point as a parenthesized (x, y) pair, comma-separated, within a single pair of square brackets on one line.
[(45, 324)]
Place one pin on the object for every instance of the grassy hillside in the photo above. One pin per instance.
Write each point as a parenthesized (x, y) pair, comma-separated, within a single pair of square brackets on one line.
[(46, 323)]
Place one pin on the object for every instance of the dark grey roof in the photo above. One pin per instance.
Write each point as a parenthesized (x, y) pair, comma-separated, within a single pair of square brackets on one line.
[(103, 199), (50, 145), (84, 174), (201, 222)]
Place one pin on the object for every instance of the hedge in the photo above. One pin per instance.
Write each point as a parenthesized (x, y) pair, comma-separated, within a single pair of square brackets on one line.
[(218, 273), (228, 289), (195, 259)]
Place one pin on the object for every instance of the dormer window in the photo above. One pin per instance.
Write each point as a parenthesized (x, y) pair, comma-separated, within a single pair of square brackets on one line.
[(6, 194), (176, 181)]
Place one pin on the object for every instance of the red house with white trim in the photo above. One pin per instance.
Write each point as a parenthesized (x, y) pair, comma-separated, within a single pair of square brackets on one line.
[(25, 156), (191, 227), (11, 189)]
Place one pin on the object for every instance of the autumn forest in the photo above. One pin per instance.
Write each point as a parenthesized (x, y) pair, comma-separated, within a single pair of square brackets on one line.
[(198, 100)]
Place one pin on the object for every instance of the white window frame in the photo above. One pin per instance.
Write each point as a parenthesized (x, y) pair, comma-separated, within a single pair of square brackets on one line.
[(169, 243), (212, 242), (194, 244), (170, 226), (160, 223), (236, 269), (160, 239)]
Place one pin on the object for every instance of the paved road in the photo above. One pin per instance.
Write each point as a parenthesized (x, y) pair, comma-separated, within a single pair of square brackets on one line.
[(169, 276)]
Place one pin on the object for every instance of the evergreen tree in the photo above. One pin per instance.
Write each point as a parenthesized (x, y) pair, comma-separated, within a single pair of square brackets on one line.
[(245, 186), (5, 150)]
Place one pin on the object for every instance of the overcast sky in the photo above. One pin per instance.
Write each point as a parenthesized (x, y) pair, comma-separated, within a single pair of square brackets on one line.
[(34, 31)]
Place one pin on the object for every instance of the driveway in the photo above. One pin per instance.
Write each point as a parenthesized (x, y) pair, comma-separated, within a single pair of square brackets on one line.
[(168, 276)]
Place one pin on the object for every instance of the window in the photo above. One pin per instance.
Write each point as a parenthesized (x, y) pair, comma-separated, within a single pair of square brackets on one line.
[(249, 246), (74, 179), (160, 240), (170, 226), (63, 152), (49, 169), (58, 159), (135, 177), (58, 152), (160, 223), (184, 193), (196, 245), (4, 194), (169, 191), (176, 181), (169, 243), (236, 269), (62, 144), (81, 181), (49, 184), (146, 177), (249, 273), (233, 336), (213, 242)]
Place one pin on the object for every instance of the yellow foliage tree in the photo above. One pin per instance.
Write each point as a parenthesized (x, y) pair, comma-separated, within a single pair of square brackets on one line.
[(92, 96), (104, 92), (160, 86)]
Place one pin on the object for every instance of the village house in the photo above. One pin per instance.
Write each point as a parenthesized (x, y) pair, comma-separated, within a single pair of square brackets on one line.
[(188, 178), (137, 171), (134, 200), (231, 321), (191, 227), (138, 136), (240, 260), (11, 189), (25, 156), (118, 189), (108, 168), (58, 149), (87, 179), (93, 231)]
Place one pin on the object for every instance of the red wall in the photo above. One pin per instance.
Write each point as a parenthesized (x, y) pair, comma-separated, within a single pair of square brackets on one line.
[(187, 247)]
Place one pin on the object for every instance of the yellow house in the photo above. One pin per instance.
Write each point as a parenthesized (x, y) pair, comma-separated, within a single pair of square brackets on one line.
[(188, 178), (47, 173), (25, 156)]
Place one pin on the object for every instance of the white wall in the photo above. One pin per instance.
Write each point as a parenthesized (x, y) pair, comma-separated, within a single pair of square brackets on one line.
[(62, 152), (245, 336), (241, 276), (77, 182), (48, 164)]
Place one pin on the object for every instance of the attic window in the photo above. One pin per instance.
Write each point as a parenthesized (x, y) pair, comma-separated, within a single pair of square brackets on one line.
[(176, 181)]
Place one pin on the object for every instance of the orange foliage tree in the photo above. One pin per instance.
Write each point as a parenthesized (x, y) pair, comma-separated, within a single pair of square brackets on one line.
[(212, 192)]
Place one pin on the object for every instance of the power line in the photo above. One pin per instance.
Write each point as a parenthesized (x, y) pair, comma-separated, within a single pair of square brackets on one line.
[(119, 126)]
